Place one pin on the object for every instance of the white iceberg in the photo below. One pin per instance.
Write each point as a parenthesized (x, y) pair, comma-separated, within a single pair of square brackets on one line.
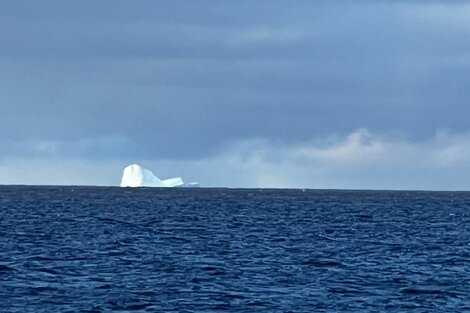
[(136, 176)]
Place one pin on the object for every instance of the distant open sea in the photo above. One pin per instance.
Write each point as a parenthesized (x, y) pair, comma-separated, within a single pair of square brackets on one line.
[(99, 249)]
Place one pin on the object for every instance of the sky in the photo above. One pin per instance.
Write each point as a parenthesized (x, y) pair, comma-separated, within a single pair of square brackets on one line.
[(367, 94)]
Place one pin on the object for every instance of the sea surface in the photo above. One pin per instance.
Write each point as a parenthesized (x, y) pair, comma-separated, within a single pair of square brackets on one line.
[(99, 249)]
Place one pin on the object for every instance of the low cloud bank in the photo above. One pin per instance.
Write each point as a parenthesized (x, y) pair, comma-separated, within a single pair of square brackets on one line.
[(359, 160)]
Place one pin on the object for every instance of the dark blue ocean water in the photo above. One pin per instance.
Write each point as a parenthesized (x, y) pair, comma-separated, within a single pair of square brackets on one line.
[(79, 249)]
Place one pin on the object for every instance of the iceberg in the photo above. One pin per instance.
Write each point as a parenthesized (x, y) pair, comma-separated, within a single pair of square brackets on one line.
[(136, 176)]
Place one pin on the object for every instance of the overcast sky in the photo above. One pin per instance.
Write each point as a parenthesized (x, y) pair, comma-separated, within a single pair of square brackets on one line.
[(309, 94)]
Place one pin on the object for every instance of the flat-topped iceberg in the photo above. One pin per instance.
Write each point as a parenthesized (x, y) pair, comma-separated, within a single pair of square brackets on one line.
[(136, 176)]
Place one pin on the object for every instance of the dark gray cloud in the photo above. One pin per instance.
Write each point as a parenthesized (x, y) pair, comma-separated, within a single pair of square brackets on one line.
[(187, 79)]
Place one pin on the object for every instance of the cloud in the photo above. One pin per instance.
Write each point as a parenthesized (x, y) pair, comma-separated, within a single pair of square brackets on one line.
[(360, 160), (271, 90), (358, 147)]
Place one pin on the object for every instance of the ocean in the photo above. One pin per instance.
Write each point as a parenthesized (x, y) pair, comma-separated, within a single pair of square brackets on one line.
[(106, 249)]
